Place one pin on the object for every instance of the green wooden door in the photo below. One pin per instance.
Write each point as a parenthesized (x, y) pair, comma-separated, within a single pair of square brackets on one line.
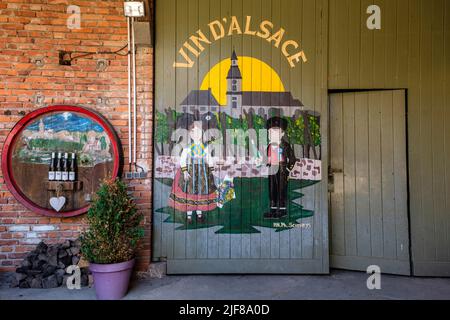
[(237, 67), (368, 197)]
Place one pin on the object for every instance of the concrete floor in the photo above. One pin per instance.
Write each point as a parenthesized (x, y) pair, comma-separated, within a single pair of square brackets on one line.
[(338, 285)]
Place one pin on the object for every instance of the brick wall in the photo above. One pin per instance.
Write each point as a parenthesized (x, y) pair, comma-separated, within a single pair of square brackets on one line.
[(37, 29)]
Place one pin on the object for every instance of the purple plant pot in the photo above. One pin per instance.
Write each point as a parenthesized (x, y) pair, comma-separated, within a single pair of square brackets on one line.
[(111, 280)]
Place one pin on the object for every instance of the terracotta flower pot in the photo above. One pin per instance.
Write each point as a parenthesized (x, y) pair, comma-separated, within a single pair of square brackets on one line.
[(111, 280)]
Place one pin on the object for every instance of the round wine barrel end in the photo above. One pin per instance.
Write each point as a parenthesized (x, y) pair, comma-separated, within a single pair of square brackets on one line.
[(90, 153)]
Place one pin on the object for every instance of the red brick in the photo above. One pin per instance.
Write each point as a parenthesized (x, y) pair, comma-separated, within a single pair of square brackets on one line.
[(7, 221), (24, 248), (14, 255), (25, 13), (26, 221), (38, 28), (6, 236), (8, 242), (11, 26), (52, 234)]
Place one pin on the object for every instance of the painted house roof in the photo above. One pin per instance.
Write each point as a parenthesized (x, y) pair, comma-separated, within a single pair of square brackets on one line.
[(200, 98), (269, 99)]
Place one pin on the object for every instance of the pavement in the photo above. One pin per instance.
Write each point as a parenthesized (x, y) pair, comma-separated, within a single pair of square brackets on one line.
[(339, 285)]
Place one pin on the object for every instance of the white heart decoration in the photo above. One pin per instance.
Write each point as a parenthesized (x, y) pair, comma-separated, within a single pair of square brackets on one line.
[(57, 203)]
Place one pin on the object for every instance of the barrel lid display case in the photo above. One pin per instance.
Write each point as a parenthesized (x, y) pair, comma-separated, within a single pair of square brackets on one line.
[(27, 157)]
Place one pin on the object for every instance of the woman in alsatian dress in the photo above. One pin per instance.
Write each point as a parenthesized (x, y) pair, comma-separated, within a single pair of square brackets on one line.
[(193, 189)]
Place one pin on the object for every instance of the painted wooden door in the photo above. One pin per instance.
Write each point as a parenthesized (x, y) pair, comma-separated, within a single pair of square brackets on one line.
[(368, 184), (226, 71)]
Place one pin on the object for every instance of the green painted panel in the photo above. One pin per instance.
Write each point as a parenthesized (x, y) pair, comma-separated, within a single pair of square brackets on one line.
[(277, 73), (409, 52)]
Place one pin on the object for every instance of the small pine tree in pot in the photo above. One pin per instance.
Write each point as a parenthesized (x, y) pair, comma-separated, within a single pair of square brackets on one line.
[(110, 243)]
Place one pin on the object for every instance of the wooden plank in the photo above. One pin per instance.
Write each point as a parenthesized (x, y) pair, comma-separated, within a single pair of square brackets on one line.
[(336, 136), (379, 49), (213, 55), (308, 99), (367, 49), (228, 266), (437, 269), (447, 120), (266, 56), (414, 98), (285, 70), (401, 77), (256, 51), (181, 91), (320, 220), (274, 62), (362, 175), (236, 44), (295, 86), (192, 84), (322, 89), (246, 50), (349, 174), (333, 45), (375, 201), (169, 85), (337, 163), (341, 49), (353, 43), (203, 18), (438, 124), (426, 131), (389, 25), (387, 177), (387, 266), (308, 234), (159, 103), (225, 53), (400, 178)]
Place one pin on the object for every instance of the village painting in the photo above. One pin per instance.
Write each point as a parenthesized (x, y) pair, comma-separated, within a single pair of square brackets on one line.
[(64, 132), (239, 192)]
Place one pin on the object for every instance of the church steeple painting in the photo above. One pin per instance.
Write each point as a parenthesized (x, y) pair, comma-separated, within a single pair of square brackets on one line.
[(234, 85), (239, 100)]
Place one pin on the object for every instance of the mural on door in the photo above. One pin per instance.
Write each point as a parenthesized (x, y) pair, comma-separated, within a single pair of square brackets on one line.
[(237, 152)]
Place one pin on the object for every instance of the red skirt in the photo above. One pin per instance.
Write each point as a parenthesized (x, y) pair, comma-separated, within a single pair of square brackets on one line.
[(185, 202)]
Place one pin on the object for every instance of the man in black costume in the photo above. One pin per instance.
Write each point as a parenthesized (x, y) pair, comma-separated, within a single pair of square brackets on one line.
[(281, 160)]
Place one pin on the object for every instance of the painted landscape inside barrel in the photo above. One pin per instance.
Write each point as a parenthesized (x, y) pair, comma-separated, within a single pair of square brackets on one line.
[(65, 135)]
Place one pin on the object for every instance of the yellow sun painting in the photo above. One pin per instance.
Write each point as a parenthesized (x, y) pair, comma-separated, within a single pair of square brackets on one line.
[(256, 76)]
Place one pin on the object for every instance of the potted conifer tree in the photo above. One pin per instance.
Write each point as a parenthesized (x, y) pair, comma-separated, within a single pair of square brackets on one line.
[(111, 240)]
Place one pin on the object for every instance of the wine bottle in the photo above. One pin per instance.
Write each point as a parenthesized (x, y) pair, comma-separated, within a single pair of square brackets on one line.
[(51, 168), (65, 168), (58, 171), (73, 168)]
